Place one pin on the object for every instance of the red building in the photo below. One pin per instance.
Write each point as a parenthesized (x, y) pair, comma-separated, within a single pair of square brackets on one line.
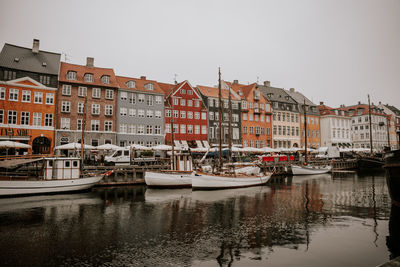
[(184, 105)]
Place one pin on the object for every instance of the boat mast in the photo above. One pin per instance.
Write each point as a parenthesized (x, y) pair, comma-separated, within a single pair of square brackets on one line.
[(219, 121), (230, 125), (172, 140), (305, 130), (370, 124)]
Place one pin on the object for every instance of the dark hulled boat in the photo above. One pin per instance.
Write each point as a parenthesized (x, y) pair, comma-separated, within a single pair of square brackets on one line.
[(392, 168), (369, 162)]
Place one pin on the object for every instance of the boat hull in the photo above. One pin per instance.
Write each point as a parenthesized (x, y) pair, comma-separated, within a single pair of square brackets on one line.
[(392, 170), (210, 182), (306, 170), (23, 187), (368, 163), (168, 180)]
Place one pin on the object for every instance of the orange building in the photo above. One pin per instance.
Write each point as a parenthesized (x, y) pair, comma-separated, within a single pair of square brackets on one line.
[(256, 116), (27, 110)]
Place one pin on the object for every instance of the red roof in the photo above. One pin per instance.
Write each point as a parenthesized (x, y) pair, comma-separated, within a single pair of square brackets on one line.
[(139, 84), (80, 72), (168, 88), (213, 92)]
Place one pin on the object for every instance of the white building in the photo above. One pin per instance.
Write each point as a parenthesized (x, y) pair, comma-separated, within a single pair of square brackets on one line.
[(335, 127)]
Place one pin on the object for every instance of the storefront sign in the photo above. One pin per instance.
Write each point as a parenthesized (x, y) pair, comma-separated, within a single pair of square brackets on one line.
[(14, 132)]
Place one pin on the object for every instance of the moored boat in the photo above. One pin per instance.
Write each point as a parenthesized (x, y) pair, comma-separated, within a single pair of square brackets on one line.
[(215, 182), (169, 179), (369, 162), (309, 169), (392, 169), (46, 175)]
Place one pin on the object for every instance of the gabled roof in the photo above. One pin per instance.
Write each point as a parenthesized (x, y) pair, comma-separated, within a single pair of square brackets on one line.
[(27, 82), (275, 94), (22, 58), (81, 70), (326, 110), (393, 109), (300, 98), (213, 92), (168, 88), (140, 83), (365, 110)]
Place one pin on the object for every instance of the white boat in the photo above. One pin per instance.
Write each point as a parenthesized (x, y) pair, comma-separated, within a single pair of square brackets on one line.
[(169, 179), (215, 182), (47, 175), (310, 169)]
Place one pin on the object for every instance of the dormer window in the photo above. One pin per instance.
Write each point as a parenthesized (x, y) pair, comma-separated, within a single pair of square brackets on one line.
[(256, 95), (240, 93), (105, 79), (71, 75), (149, 86), (88, 77), (131, 84)]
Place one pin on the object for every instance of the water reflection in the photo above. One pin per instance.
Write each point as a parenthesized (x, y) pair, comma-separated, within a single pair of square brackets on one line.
[(139, 227)]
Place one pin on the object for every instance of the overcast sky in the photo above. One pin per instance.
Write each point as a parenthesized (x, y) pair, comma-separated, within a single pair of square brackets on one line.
[(336, 51)]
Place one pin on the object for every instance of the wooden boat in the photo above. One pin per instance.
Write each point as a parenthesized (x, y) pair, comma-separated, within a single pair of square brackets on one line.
[(45, 175), (369, 162), (309, 169), (392, 169), (169, 179)]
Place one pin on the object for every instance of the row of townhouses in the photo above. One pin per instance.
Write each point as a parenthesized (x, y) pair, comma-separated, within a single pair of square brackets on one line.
[(45, 103)]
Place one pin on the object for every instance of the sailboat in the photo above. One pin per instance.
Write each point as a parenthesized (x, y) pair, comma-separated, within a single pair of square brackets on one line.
[(179, 176), (308, 169), (247, 177)]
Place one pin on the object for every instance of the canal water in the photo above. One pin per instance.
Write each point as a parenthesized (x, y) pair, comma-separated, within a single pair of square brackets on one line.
[(323, 220)]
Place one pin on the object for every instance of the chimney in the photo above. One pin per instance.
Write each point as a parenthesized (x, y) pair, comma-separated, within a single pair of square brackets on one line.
[(321, 103), (35, 46), (267, 83), (90, 62), (380, 103), (359, 102), (143, 77), (235, 81), (292, 90)]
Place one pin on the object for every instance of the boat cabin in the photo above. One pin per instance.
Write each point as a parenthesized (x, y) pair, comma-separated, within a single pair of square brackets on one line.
[(183, 162), (62, 168)]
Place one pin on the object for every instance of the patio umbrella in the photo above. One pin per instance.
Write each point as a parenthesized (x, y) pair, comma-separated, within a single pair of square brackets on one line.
[(108, 147), (138, 147), (11, 144), (74, 146)]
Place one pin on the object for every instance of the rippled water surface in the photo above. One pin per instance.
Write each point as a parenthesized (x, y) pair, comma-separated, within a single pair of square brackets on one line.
[(324, 220)]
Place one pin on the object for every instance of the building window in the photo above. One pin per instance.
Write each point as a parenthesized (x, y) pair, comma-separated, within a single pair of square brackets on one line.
[(197, 103), (183, 102), (105, 79), (203, 115), (65, 123), (141, 113), (82, 91), (96, 109), (245, 129), (132, 129), (176, 114), (158, 99), (141, 98), (79, 124), (190, 102), (38, 98), (1, 115), (2, 93), (10, 75), (203, 129), (140, 129), (71, 75), (48, 120), (149, 86), (132, 112), (175, 101), (95, 125), (132, 99), (244, 104), (149, 113), (123, 111), (108, 126), (197, 115), (157, 114), (13, 95), (66, 89), (80, 107), (157, 129), (109, 94), (25, 118), (44, 79), (37, 119), (66, 106), (96, 92), (210, 116), (183, 114), (197, 129), (190, 114), (49, 98), (88, 77), (12, 117), (131, 84), (108, 110), (26, 96), (168, 128), (124, 96), (190, 129), (168, 113), (183, 128), (149, 100)]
